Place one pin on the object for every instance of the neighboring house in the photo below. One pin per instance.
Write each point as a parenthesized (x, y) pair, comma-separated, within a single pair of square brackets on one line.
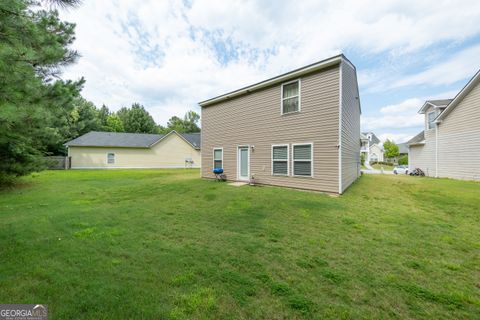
[(104, 150), (450, 144), (300, 129), (402, 149), (371, 147)]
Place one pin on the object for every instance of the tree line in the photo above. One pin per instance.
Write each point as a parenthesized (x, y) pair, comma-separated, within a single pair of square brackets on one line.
[(39, 111)]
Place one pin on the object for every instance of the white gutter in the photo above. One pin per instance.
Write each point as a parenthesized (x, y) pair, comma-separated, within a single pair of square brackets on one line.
[(287, 76)]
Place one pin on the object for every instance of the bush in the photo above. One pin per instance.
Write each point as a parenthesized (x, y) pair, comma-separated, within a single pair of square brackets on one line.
[(403, 160), (382, 163)]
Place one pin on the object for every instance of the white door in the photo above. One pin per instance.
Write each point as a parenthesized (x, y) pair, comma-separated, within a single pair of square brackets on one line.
[(243, 165)]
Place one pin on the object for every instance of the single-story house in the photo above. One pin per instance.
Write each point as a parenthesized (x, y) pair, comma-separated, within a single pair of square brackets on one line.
[(371, 148), (108, 150), (450, 144), (300, 129)]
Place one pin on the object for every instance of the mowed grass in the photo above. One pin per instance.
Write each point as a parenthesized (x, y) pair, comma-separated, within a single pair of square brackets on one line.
[(164, 244)]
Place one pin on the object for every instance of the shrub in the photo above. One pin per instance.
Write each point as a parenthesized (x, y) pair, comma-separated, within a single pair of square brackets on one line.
[(403, 160), (382, 163)]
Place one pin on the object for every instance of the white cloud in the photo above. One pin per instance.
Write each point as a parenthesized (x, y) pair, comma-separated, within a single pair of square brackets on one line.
[(168, 55), (409, 105), (396, 137), (460, 66)]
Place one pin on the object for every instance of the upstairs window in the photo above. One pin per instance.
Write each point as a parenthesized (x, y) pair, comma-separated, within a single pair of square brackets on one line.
[(302, 160), (110, 158), (218, 158), (431, 120), (291, 97), (280, 160)]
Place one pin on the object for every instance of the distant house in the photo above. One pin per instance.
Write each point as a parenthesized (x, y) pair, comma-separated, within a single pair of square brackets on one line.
[(450, 144), (300, 129), (108, 150), (402, 149), (371, 147)]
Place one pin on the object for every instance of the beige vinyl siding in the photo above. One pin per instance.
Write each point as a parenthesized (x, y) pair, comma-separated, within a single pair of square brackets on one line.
[(168, 153), (459, 139), (375, 149), (255, 119), (350, 143), (423, 156)]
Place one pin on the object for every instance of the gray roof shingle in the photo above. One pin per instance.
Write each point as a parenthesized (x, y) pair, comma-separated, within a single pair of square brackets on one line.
[(417, 139), (126, 140), (193, 138), (375, 139)]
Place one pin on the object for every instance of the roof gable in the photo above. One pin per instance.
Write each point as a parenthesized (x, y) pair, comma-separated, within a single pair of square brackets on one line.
[(460, 96), (441, 103), (375, 139), (336, 60)]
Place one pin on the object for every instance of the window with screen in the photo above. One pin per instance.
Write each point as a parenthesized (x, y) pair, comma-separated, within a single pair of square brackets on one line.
[(280, 160), (217, 158), (302, 160), (291, 97)]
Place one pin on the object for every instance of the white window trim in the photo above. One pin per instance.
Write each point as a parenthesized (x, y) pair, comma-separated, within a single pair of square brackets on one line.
[(213, 156), (311, 159), (428, 121), (288, 159), (238, 162), (114, 157), (299, 96)]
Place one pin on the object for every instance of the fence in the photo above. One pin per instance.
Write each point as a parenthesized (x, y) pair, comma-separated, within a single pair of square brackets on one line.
[(58, 162)]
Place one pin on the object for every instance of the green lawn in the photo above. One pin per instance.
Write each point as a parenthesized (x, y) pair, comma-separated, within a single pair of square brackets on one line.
[(166, 244)]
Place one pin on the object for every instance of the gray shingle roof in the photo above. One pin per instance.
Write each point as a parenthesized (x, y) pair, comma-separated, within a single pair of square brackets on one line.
[(126, 140), (193, 138), (375, 139), (417, 139)]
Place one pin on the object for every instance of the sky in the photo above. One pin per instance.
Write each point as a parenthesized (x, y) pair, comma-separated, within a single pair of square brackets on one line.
[(169, 55)]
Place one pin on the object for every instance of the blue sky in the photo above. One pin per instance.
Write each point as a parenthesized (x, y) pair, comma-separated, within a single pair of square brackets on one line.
[(168, 55)]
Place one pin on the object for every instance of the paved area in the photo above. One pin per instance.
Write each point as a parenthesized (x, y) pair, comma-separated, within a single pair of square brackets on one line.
[(237, 184), (374, 171)]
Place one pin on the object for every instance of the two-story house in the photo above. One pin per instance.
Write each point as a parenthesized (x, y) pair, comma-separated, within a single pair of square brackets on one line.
[(371, 149), (450, 144), (300, 129)]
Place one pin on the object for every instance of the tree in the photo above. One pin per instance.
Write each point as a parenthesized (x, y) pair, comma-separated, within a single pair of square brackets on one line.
[(175, 123), (390, 149), (114, 123), (403, 160), (103, 115), (34, 47), (188, 124), (191, 119), (137, 119)]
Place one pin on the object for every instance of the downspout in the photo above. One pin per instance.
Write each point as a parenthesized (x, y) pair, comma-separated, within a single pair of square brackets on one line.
[(340, 131), (436, 149)]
